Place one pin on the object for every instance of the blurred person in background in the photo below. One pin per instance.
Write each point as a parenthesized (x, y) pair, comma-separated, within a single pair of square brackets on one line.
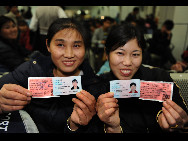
[(160, 44), (11, 54), (24, 37), (40, 22), (133, 16), (98, 41), (13, 13)]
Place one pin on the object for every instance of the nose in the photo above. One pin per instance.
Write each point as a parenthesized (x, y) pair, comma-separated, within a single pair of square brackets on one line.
[(127, 61), (13, 30), (69, 53)]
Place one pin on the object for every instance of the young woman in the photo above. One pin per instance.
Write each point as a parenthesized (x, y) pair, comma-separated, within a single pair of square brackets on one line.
[(67, 42), (11, 54), (124, 51)]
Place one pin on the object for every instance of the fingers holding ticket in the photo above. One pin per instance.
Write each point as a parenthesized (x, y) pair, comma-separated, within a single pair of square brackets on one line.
[(173, 116), (14, 97), (84, 109), (108, 111)]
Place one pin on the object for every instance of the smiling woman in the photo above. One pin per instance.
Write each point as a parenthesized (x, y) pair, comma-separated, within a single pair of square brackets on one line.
[(124, 46), (11, 54), (67, 51), (66, 41)]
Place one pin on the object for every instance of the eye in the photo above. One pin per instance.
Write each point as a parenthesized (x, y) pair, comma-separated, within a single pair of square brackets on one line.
[(13, 26), (60, 45), (7, 27), (136, 54), (76, 45), (119, 53)]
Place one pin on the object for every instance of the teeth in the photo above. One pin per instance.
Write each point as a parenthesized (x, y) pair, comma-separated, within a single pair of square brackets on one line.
[(69, 62), (125, 71)]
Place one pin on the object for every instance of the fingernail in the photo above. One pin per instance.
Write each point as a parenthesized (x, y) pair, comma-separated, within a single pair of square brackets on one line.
[(78, 93), (29, 94), (164, 103), (111, 93), (82, 91)]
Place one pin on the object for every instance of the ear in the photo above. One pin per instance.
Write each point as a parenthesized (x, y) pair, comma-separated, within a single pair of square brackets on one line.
[(105, 53), (47, 45)]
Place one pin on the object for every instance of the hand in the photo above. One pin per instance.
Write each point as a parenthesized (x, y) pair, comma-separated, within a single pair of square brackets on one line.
[(84, 109), (173, 116), (108, 112), (13, 97), (177, 67), (103, 42)]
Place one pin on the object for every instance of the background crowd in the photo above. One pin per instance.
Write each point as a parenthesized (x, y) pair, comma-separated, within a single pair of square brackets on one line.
[(30, 34)]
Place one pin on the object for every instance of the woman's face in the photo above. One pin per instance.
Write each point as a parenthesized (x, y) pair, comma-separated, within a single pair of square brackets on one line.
[(67, 51), (9, 31), (126, 60)]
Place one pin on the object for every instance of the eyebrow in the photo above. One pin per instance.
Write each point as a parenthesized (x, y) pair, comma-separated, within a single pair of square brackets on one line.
[(79, 41), (133, 51), (137, 50), (59, 40)]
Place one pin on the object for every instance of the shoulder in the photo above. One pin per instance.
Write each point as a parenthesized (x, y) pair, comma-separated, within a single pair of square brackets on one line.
[(154, 74), (98, 30), (107, 76), (37, 66), (3, 44)]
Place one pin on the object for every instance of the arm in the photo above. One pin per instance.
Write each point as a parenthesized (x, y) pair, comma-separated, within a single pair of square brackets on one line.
[(14, 94), (34, 23), (61, 13)]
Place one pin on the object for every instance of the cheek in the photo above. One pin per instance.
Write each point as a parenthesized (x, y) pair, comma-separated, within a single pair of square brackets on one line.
[(137, 62), (80, 54), (55, 54), (114, 60)]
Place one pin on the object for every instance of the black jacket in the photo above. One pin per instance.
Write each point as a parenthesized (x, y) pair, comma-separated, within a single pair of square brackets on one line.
[(51, 114), (140, 115), (12, 55)]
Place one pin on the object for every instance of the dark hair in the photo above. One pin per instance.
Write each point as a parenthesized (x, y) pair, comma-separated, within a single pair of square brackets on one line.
[(64, 23), (107, 18), (74, 80), (122, 34), (22, 23), (136, 9), (132, 84), (169, 24), (4, 19)]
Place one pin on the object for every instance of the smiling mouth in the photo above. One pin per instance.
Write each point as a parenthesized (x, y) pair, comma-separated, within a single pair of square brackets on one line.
[(126, 72), (68, 63)]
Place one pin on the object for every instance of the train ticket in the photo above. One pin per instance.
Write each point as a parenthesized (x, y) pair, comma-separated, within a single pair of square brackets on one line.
[(125, 88), (45, 87), (156, 91)]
